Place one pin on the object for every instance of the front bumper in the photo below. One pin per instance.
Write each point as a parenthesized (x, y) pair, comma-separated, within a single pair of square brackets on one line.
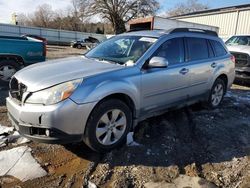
[(60, 123), (242, 75)]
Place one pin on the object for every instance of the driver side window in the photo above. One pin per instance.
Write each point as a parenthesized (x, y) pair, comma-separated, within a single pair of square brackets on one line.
[(172, 50)]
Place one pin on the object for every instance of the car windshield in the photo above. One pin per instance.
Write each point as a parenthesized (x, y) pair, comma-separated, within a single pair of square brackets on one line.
[(239, 40), (122, 49)]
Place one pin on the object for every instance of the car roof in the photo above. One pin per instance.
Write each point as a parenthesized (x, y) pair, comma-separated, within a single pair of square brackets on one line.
[(147, 33), (159, 33)]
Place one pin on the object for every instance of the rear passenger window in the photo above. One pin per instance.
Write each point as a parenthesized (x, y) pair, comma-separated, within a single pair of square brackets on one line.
[(172, 50), (210, 50), (219, 50), (197, 49)]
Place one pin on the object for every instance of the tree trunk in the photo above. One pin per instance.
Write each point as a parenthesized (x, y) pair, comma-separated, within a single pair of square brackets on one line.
[(118, 26)]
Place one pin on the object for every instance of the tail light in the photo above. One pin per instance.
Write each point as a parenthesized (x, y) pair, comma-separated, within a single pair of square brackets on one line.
[(232, 58)]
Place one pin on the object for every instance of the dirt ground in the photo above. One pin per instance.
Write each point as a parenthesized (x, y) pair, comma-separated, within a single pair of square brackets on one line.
[(212, 146)]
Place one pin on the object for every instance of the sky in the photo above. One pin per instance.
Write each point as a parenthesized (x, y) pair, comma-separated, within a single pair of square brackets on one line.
[(8, 7)]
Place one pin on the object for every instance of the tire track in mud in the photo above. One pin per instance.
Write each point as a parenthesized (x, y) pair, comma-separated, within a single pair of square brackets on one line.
[(89, 171), (188, 133)]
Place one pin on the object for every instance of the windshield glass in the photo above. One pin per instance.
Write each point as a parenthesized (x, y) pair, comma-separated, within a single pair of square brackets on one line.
[(121, 49), (239, 40)]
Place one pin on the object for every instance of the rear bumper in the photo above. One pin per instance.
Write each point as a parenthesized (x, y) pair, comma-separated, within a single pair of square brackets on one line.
[(60, 123)]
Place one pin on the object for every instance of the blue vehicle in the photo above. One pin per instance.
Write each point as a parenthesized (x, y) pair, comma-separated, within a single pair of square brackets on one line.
[(17, 52)]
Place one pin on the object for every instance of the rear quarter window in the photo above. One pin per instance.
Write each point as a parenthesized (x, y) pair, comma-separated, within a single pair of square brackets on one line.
[(219, 49)]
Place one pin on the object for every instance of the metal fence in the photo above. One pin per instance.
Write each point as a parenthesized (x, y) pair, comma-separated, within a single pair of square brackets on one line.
[(53, 36)]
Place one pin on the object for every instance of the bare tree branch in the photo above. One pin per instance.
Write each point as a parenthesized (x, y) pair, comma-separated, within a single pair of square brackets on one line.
[(187, 7), (119, 12)]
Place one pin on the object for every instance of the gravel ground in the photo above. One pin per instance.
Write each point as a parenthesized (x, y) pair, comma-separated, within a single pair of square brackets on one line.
[(191, 147), (54, 52)]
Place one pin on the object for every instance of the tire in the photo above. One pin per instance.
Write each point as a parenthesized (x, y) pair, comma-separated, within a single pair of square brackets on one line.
[(217, 93), (78, 46), (110, 135), (9, 66)]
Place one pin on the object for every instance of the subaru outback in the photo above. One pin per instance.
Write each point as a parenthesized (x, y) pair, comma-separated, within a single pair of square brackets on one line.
[(101, 96)]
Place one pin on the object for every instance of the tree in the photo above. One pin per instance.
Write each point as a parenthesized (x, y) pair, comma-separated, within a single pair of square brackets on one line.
[(43, 16), (187, 7), (119, 12), (23, 19)]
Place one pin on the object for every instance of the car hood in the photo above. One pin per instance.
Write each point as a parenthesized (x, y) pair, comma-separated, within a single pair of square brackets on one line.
[(46, 74), (239, 48)]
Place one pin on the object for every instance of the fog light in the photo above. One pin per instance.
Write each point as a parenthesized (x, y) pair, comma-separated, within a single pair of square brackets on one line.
[(47, 132)]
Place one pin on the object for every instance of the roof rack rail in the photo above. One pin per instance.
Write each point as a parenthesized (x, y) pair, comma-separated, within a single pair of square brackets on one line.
[(194, 30)]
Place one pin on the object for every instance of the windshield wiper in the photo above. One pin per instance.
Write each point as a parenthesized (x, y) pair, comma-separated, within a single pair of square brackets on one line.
[(106, 59), (109, 60), (112, 61)]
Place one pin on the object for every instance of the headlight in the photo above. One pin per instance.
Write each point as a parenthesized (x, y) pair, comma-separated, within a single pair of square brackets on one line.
[(54, 94)]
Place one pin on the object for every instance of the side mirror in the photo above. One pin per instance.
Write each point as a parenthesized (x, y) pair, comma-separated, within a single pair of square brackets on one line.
[(158, 62)]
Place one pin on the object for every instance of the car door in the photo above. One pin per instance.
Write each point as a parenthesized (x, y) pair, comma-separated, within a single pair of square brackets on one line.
[(200, 65), (163, 87)]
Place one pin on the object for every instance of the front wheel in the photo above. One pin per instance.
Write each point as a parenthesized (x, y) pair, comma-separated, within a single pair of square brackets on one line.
[(108, 125), (217, 93), (78, 46)]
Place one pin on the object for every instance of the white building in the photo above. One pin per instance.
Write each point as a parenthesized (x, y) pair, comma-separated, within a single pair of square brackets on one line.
[(234, 20)]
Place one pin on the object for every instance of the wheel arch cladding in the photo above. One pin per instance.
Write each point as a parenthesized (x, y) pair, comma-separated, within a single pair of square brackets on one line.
[(17, 58), (124, 98)]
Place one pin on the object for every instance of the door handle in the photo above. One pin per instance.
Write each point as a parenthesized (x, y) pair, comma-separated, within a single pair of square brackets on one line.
[(184, 71), (213, 65)]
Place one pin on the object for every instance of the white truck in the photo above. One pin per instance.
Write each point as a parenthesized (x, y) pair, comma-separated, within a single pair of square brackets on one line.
[(156, 22)]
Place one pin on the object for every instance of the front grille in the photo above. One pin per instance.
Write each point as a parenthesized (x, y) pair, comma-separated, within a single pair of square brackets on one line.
[(242, 59), (17, 89), (243, 74)]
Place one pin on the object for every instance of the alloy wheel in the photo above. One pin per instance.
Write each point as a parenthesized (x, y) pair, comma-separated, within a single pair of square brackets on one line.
[(217, 94), (111, 127)]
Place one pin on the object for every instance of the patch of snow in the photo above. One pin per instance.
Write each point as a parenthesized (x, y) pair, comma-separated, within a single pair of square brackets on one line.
[(244, 98), (130, 140), (236, 103), (3, 141), (238, 98), (148, 151), (5, 130), (17, 139), (91, 185), (14, 138), (18, 162)]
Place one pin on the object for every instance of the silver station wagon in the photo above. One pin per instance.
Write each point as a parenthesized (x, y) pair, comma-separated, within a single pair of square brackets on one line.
[(99, 97)]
